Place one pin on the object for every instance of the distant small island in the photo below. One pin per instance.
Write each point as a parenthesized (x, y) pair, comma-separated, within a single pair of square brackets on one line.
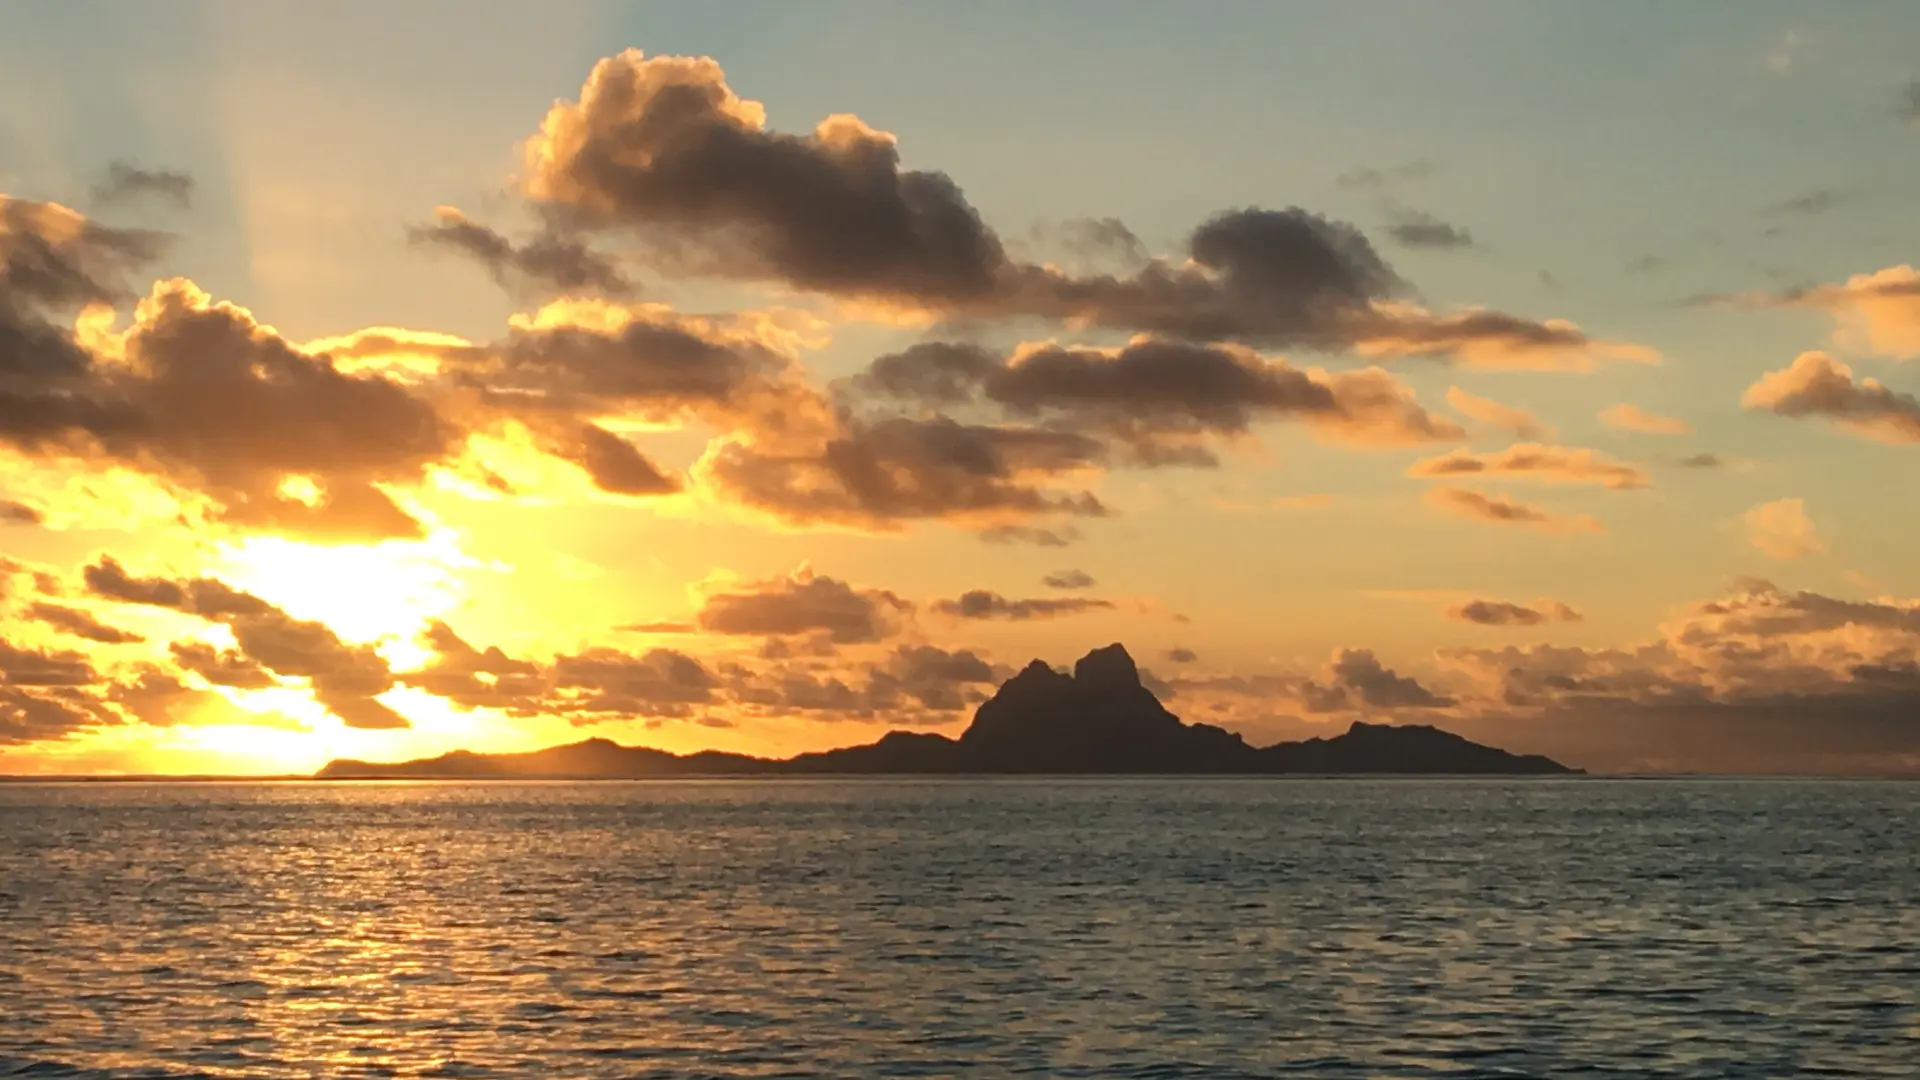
[(1098, 720)]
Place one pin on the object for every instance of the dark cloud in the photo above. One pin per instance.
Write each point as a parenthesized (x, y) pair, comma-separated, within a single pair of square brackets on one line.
[(549, 262), (1877, 313), (983, 604), (1182, 656), (1419, 229), (1502, 510), (345, 679), (608, 683), (1535, 461), (20, 666), (125, 180), (1068, 579), (1701, 461), (210, 400), (19, 513), (1507, 613), (939, 679), (80, 624), (881, 474), (53, 262), (1371, 178), (804, 604), (221, 667), (663, 149), (1818, 385), (1906, 104), (661, 627), (1810, 203), (1162, 402), (1357, 680), (1030, 534), (662, 146), (1647, 264)]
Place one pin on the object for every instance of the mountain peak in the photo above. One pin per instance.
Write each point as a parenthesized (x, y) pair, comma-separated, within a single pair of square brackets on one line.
[(1109, 665)]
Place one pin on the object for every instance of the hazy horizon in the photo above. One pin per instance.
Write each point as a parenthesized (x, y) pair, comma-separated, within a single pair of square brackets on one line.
[(378, 382)]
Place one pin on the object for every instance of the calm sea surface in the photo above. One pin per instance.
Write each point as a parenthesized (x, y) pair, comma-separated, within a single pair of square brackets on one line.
[(1129, 928)]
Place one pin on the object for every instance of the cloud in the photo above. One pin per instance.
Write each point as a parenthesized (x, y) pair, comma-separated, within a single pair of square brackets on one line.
[(1356, 678), (1818, 385), (1781, 530), (346, 680), (1419, 229), (124, 181), (1534, 461), (1876, 313), (19, 513), (1507, 613), (608, 683), (1701, 461), (983, 604), (1069, 579), (803, 603), (221, 667), (1906, 104), (1501, 510), (1646, 264), (1370, 178), (80, 624), (205, 398), (549, 262), (1492, 413), (1489, 340), (1161, 402), (1182, 656), (1029, 534), (879, 475), (662, 146), (662, 150), (1627, 417), (1810, 203)]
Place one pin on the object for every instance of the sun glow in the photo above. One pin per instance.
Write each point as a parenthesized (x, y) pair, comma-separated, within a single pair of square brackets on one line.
[(364, 592)]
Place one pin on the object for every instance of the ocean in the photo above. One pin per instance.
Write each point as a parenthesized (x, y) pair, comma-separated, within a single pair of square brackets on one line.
[(1105, 928)]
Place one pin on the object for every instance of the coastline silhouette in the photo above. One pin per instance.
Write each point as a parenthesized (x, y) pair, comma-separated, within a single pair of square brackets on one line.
[(1098, 720)]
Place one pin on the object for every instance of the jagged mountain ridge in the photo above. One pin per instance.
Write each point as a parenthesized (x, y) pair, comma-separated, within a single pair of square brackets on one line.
[(1100, 719)]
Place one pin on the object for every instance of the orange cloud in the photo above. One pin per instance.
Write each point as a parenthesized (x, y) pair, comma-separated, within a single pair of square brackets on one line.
[(1501, 510), (1782, 530), (1818, 385), (1493, 414), (1628, 417), (1534, 461)]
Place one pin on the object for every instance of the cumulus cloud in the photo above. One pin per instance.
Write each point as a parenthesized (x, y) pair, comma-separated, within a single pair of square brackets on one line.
[(1534, 461), (1782, 530), (19, 513), (1508, 613), (985, 604), (1493, 414), (1818, 385), (1357, 679), (548, 262), (125, 180), (1502, 510), (803, 603), (1627, 417), (1876, 313), (664, 150), (1069, 579)]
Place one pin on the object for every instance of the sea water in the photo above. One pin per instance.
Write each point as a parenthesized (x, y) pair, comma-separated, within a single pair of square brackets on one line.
[(962, 927)]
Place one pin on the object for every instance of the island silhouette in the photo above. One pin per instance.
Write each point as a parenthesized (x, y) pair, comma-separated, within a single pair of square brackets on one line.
[(1098, 720)]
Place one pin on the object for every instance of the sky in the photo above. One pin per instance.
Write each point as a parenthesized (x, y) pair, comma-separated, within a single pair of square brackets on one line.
[(387, 380)]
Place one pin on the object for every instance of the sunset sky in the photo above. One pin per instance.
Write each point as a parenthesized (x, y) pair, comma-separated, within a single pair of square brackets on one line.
[(380, 380)]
